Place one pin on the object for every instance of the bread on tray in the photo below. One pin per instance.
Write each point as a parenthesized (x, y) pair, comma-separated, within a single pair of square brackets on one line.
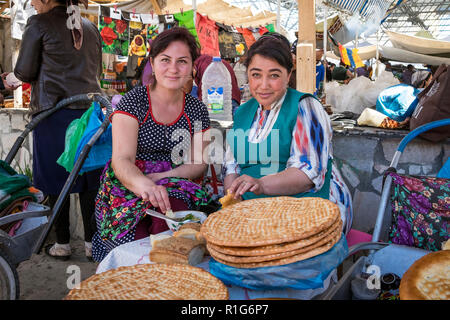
[(178, 250)]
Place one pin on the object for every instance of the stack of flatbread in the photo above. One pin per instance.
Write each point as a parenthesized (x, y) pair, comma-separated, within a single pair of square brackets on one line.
[(272, 231), (151, 282)]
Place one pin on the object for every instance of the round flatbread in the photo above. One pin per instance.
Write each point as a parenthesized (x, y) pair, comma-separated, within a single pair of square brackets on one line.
[(428, 278), (276, 248), (275, 256), (266, 221), (278, 262), (151, 282)]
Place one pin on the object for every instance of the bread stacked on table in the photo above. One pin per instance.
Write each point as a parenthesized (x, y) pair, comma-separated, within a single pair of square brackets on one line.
[(428, 278), (272, 231), (151, 282), (186, 246)]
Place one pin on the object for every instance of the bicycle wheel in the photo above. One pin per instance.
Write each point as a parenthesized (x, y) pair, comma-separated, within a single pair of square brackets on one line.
[(9, 279)]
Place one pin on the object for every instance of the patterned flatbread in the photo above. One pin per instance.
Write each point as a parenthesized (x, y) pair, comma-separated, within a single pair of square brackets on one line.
[(427, 278), (151, 282), (276, 248), (276, 256), (278, 262), (266, 221)]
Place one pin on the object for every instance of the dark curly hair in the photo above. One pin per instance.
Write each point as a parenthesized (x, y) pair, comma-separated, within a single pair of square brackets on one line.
[(274, 46)]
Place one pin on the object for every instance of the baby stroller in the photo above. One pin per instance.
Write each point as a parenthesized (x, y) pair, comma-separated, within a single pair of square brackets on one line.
[(38, 219), (382, 259)]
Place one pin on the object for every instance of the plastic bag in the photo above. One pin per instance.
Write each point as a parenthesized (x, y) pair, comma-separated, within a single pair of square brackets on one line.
[(301, 275), (101, 151), (74, 132), (398, 102)]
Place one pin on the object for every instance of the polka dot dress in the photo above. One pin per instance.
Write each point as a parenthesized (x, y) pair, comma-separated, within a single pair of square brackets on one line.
[(155, 143), (157, 140)]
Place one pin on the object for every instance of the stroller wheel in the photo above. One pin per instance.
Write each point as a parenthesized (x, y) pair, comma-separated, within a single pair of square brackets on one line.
[(9, 279)]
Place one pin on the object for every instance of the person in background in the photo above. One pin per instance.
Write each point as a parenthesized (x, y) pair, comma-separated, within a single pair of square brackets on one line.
[(407, 74), (293, 121), (341, 73), (420, 79), (241, 71), (329, 71), (200, 66), (149, 125), (320, 72), (362, 71), (59, 63)]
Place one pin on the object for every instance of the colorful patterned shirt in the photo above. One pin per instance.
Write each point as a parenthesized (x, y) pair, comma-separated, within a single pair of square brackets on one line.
[(311, 148)]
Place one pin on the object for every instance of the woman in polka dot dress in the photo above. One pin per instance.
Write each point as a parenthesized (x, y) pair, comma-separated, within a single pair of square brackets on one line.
[(157, 149)]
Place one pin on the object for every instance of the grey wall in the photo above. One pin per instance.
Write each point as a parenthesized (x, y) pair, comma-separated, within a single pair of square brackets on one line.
[(363, 154)]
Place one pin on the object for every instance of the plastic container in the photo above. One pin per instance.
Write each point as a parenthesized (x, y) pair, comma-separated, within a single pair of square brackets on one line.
[(216, 91)]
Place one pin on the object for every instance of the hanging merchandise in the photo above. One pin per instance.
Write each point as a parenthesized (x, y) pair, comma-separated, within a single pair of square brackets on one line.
[(227, 46), (151, 22), (114, 33), (208, 35), (137, 48), (270, 27), (239, 42), (255, 32), (108, 60), (216, 90), (167, 21), (138, 39), (350, 57), (186, 19), (248, 36), (263, 30)]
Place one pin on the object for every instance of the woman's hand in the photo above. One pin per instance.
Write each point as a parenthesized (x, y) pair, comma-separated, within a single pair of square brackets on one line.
[(158, 197), (245, 184)]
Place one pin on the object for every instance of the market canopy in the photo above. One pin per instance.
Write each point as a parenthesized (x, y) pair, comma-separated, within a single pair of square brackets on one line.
[(420, 45), (216, 10)]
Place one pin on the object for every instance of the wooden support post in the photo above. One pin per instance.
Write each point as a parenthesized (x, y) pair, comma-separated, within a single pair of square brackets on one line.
[(306, 46)]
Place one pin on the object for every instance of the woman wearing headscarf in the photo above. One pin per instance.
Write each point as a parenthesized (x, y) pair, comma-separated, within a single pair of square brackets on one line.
[(290, 135), (60, 57), (199, 69)]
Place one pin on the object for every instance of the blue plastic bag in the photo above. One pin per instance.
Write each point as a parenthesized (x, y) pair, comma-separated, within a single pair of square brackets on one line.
[(445, 170), (101, 151), (398, 102), (301, 275)]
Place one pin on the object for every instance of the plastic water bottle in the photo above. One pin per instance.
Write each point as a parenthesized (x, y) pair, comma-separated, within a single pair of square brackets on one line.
[(216, 91)]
